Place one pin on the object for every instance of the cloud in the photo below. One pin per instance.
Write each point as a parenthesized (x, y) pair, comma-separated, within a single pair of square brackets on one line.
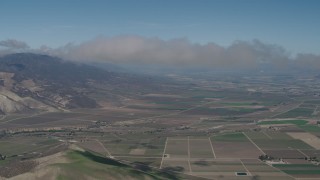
[(181, 52), (174, 52), (309, 61), (14, 44)]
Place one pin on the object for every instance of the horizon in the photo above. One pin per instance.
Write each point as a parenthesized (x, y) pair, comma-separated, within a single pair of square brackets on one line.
[(192, 33)]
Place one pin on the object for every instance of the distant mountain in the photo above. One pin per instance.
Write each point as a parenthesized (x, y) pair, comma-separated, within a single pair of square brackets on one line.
[(52, 83), (43, 67)]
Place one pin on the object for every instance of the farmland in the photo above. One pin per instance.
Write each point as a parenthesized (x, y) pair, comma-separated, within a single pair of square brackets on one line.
[(296, 122), (215, 129)]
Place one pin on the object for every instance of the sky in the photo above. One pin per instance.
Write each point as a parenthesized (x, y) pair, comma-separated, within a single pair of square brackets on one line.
[(40, 24)]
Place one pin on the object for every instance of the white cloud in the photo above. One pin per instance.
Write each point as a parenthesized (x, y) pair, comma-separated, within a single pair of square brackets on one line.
[(137, 49), (13, 44), (175, 52)]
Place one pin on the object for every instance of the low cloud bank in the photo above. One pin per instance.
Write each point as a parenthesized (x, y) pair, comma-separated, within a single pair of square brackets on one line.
[(176, 52), (181, 52), (13, 44)]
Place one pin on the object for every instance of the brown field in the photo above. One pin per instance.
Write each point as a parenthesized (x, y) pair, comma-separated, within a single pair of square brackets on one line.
[(281, 144), (312, 153), (291, 129), (258, 168), (277, 135), (272, 175), (306, 176), (221, 176), (137, 152), (34, 120), (285, 154), (297, 161), (177, 148), (217, 166), (263, 171), (308, 138), (235, 150), (200, 148)]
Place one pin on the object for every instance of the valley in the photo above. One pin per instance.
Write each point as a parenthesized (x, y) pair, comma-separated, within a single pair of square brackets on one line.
[(212, 126)]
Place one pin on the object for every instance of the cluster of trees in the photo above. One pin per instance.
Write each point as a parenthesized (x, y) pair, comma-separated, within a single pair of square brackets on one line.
[(2, 157), (265, 157), (312, 159)]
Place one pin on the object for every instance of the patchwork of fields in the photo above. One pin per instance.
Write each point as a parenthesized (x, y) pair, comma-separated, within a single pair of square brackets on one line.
[(217, 157), (214, 131), (220, 156)]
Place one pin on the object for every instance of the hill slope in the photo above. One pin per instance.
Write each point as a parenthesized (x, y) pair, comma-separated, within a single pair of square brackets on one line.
[(49, 82)]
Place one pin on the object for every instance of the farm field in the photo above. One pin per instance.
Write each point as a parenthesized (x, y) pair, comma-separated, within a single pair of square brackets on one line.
[(281, 144), (201, 148), (293, 121), (235, 145), (298, 112), (308, 138), (208, 130), (20, 146), (300, 170), (209, 164)]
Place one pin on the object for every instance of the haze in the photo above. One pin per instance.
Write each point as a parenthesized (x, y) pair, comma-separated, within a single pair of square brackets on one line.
[(227, 34)]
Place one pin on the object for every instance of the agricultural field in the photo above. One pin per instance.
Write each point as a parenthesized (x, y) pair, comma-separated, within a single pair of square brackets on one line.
[(21, 151), (210, 130), (281, 144), (201, 148), (308, 138), (294, 148), (235, 145), (23, 146), (300, 170), (298, 112), (293, 121)]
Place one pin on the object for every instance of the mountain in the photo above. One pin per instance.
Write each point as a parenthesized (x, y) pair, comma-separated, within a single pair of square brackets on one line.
[(31, 82)]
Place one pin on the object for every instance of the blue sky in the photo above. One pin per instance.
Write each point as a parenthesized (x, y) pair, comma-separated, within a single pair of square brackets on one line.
[(293, 24)]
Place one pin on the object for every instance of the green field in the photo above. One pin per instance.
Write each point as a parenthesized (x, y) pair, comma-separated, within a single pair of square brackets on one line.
[(310, 128), (296, 122), (299, 168), (298, 112)]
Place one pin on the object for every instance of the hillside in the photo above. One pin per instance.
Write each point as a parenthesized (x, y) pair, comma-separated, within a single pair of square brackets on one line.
[(30, 82), (80, 164)]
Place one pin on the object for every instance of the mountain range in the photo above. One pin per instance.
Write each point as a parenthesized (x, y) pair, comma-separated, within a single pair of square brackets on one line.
[(33, 82)]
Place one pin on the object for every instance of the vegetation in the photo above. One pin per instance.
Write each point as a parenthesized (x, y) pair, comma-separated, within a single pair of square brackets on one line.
[(309, 169), (87, 164), (296, 122), (294, 165), (298, 112), (308, 172), (310, 128)]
